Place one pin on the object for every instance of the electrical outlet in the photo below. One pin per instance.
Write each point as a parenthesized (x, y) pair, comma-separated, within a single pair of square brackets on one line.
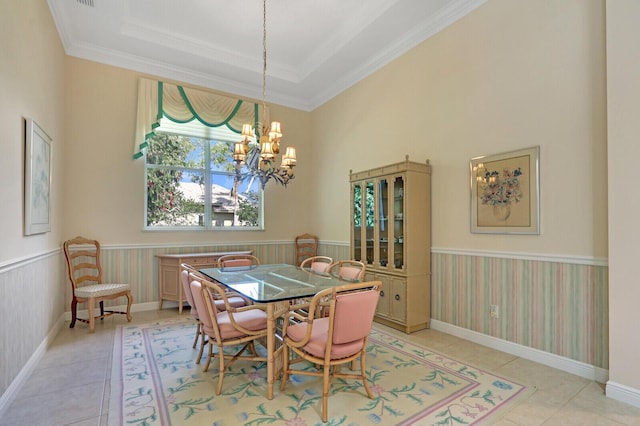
[(494, 311)]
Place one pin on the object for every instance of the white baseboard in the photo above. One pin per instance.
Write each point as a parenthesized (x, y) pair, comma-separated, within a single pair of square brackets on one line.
[(578, 368), (14, 388), (623, 393)]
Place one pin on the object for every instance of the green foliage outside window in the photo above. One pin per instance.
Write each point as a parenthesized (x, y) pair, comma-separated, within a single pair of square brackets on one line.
[(177, 168), (164, 201), (369, 205)]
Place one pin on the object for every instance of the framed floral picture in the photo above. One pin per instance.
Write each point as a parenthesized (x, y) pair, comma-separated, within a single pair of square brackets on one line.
[(505, 196)]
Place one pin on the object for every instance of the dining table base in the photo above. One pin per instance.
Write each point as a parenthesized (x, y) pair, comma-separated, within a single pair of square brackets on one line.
[(275, 311)]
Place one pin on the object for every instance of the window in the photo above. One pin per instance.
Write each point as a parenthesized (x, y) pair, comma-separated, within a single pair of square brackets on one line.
[(191, 183)]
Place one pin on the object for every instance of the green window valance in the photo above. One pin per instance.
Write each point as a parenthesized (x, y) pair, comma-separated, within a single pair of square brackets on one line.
[(159, 100)]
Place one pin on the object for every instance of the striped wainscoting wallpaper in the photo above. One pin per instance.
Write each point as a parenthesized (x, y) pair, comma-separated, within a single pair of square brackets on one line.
[(31, 307), (553, 306), (556, 306), (138, 265)]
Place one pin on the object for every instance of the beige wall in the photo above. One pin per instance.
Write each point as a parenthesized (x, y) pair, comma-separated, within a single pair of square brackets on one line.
[(31, 86), (104, 186), (623, 89), (509, 75)]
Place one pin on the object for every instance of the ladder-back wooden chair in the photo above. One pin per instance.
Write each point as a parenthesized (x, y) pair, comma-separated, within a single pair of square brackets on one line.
[(306, 246), (85, 273)]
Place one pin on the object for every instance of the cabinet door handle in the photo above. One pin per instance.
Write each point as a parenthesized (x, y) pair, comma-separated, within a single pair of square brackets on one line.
[(397, 297), (381, 293)]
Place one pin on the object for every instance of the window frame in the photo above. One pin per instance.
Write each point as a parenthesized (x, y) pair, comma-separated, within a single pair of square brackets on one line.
[(209, 136)]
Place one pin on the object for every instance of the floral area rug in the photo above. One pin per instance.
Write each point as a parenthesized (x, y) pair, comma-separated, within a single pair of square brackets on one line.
[(155, 381)]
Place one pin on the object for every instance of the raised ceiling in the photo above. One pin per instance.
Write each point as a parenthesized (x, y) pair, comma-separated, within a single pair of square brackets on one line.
[(315, 48)]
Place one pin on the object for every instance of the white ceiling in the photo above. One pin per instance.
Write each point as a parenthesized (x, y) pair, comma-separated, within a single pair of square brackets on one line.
[(315, 48)]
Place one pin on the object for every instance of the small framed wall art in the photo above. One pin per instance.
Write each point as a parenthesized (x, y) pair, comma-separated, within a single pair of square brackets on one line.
[(505, 192), (37, 179)]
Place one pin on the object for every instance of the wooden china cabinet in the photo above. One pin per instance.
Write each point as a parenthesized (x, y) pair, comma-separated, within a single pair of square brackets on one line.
[(391, 234)]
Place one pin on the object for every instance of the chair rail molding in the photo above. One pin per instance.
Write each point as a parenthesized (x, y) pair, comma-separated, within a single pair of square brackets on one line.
[(546, 257), (25, 260)]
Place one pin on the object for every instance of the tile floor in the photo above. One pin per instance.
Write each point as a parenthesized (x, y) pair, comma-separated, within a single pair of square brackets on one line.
[(71, 383)]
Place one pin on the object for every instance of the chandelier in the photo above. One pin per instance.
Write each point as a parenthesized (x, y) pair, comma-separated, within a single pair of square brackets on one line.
[(260, 158)]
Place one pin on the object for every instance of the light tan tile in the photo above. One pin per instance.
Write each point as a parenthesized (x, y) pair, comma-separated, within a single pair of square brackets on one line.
[(94, 421), (436, 340), (63, 377), (558, 383), (535, 410), (592, 400), (57, 408), (479, 356), (571, 417)]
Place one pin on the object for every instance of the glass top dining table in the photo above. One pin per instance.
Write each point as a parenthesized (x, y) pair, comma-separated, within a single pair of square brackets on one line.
[(274, 286), (272, 283)]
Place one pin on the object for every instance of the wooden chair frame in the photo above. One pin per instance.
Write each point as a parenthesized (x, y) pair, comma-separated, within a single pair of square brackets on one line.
[(306, 246), (185, 282), (233, 298), (210, 291), (338, 269), (311, 262)]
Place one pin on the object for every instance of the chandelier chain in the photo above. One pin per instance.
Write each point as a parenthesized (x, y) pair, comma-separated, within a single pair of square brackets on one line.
[(259, 159), (264, 62)]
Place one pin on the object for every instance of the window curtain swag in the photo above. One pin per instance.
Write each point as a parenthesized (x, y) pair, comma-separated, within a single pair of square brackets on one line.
[(159, 100)]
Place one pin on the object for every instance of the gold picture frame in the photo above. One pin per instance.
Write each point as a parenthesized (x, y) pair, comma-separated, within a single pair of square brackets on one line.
[(505, 192), (37, 179)]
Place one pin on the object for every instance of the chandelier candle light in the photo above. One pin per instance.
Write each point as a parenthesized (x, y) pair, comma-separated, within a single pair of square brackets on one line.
[(259, 159)]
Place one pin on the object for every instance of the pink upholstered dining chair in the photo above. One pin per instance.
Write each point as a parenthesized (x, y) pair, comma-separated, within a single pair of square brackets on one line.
[(238, 260), (240, 326), (317, 263), (234, 300), (348, 270), (331, 341), (186, 288)]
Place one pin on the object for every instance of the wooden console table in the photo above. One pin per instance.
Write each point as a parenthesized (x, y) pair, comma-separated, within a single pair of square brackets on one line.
[(169, 283)]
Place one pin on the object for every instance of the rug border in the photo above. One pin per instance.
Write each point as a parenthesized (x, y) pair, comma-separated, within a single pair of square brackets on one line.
[(507, 406)]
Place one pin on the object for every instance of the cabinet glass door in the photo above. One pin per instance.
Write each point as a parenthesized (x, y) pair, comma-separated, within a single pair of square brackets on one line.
[(398, 223), (370, 219), (358, 220), (383, 221)]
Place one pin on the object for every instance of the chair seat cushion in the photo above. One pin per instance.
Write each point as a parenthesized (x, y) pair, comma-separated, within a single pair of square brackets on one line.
[(319, 266), (99, 290), (254, 320), (318, 341), (234, 301)]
